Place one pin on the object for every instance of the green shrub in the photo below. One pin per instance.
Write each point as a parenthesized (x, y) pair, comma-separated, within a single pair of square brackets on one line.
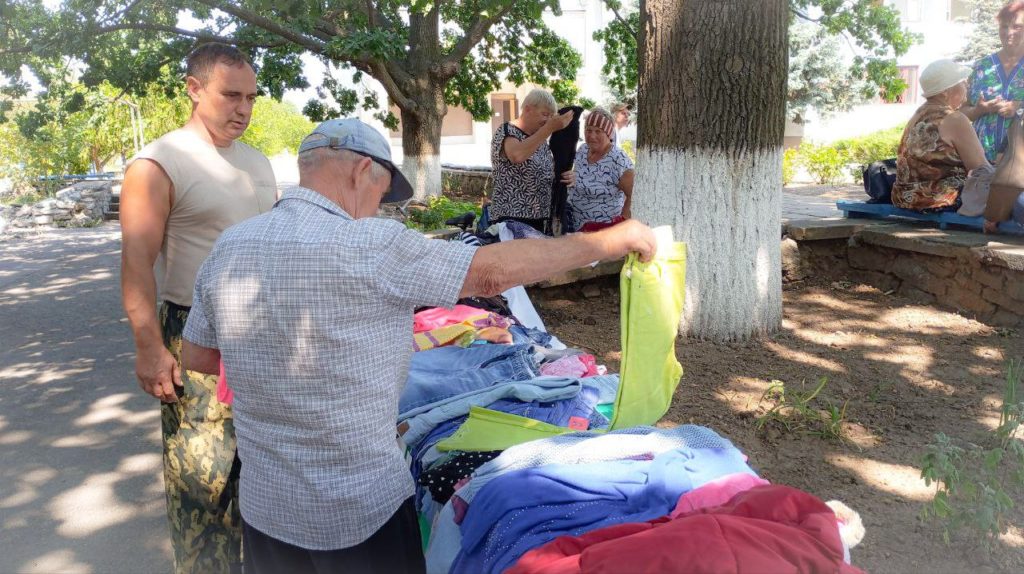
[(864, 150), (629, 146), (832, 163), (875, 146), (824, 163), (790, 161), (437, 211)]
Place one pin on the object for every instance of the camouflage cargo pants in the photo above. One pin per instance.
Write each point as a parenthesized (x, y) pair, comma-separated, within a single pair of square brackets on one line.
[(200, 467)]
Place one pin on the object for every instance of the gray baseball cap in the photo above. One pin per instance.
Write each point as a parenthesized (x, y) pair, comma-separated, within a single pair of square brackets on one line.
[(355, 136)]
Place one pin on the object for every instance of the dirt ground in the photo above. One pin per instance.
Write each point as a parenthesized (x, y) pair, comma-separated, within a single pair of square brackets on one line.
[(905, 372)]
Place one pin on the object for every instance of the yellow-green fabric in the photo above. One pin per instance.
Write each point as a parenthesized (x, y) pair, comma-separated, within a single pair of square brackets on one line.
[(652, 303), (486, 430)]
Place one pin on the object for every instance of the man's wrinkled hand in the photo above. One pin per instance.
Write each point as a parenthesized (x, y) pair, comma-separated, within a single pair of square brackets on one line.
[(635, 237)]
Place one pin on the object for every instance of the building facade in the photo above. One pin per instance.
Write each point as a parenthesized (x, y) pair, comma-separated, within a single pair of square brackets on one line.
[(943, 28)]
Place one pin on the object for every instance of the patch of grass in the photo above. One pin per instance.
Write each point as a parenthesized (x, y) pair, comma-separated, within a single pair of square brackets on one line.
[(975, 484), (803, 411), (437, 211)]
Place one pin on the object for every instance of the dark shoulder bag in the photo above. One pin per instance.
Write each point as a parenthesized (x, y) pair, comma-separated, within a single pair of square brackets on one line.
[(879, 177)]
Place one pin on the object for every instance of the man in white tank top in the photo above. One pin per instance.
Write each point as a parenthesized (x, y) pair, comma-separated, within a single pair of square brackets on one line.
[(179, 194)]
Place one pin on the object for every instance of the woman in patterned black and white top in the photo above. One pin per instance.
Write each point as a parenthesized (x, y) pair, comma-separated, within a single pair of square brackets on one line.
[(603, 176), (522, 164)]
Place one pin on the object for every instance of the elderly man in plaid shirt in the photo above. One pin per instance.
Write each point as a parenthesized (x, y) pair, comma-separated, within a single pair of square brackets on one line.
[(310, 309)]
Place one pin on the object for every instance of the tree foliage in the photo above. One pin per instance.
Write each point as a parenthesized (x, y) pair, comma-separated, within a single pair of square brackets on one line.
[(619, 42), (70, 128), (984, 38), (276, 126), (819, 79), (467, 47), (819, 76)]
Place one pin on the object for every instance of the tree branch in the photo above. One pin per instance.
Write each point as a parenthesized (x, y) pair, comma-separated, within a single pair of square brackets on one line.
[(625, 24), (22, 50), (372, 15), (449, 65), (122, 12), (382, 74), (182, 32), (804, 16), (266, 24)]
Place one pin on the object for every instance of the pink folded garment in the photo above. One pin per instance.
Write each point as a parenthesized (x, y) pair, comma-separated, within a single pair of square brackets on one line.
[(572, 366), (716, 493), (593, 369), (430, 319)]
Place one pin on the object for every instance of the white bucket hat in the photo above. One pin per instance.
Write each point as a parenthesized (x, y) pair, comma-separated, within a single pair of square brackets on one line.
[(941, 75)]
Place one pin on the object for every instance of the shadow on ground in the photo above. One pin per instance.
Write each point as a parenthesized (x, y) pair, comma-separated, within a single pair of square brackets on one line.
[(81, 487), (904, 372)]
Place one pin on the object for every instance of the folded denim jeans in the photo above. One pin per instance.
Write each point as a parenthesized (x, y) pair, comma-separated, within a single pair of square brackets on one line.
[(526, 335), (440, 374)]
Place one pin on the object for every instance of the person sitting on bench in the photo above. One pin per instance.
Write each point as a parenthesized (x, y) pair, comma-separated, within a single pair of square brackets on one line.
[(939, 146)]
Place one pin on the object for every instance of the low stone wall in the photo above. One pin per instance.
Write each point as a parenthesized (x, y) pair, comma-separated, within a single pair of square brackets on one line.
[(80, 205), (977, 275), (467, 181)]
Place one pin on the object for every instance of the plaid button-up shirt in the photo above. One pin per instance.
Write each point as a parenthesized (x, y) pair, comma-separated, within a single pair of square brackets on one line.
[(312, 312)]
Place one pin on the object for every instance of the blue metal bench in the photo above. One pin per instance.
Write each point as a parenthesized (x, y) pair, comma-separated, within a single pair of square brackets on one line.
[(861, 210)]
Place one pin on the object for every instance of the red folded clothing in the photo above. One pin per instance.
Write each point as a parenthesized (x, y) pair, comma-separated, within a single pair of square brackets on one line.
[(599, 225), (775, 529)]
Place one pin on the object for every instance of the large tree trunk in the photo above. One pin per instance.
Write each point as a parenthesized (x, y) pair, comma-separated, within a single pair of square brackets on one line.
[(421, 145), (711, 119), (425, 109)]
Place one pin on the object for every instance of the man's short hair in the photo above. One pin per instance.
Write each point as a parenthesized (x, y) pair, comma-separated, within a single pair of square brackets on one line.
[(201, 61)]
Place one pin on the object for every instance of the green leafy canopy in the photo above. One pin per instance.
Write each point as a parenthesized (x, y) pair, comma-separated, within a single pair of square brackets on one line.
[(819, 77), (416, 49)]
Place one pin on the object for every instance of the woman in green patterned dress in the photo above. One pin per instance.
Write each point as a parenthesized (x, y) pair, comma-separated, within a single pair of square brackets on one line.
[(996, 83)]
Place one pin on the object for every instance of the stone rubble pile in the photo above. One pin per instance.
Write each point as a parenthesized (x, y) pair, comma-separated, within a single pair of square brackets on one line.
[(81, 205)]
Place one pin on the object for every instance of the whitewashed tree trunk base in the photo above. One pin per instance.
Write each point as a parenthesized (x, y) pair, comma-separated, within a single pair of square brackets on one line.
[(727, 209), (424, 174)]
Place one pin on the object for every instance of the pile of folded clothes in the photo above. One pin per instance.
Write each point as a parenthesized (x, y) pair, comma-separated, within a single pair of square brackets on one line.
[(517, 469)]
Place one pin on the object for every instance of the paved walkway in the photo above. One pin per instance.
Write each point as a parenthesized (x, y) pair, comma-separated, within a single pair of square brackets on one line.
[(80, 484), (817, 201)]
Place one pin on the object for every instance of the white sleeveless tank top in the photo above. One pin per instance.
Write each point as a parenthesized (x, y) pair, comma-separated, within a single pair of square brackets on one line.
[(214, 188)]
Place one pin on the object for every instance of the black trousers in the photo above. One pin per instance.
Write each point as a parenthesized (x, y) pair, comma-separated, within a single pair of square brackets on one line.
[(394, 548)]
